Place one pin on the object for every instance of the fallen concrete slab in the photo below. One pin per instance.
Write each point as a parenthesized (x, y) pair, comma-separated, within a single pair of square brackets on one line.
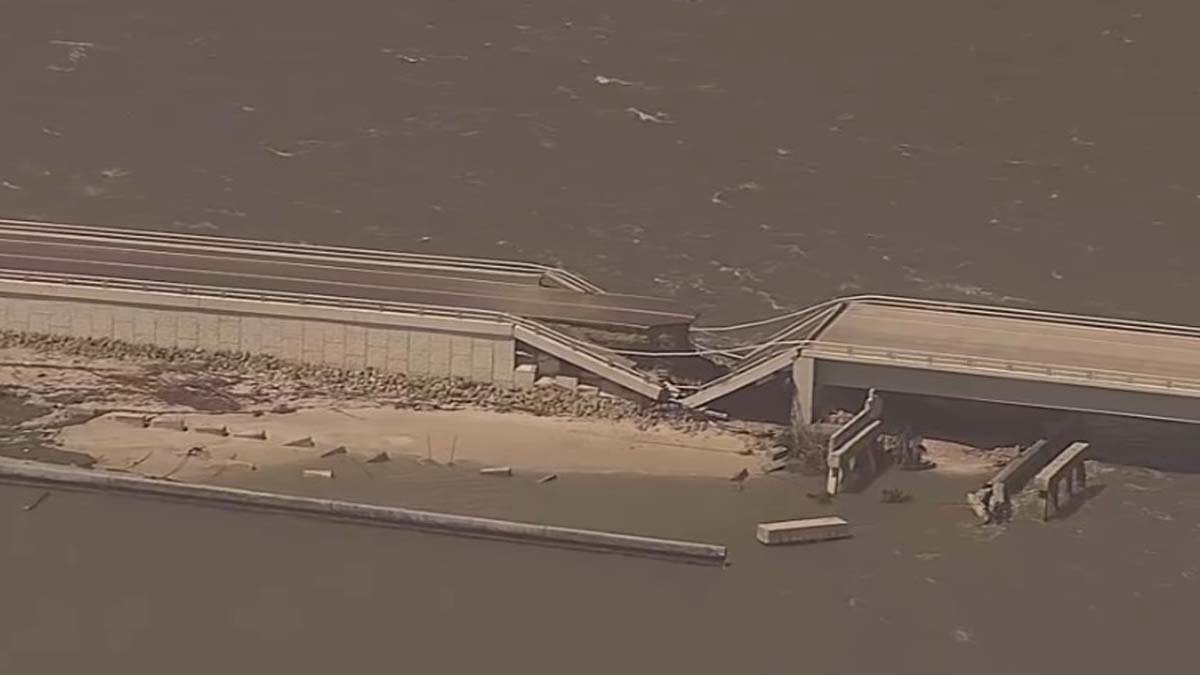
[(21, 471), (172, 423), (803, 531)]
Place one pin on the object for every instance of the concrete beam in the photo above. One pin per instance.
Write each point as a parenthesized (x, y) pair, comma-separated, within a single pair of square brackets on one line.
[(990, 388)]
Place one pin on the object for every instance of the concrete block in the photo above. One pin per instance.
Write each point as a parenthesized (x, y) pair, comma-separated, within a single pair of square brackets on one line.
[(803, 531), (439, 354), (334, 350), (481, 360), (81, 320), (229, 333), (587, 390), (260, 435), (377, 356), (18, 315), (293, 339), (306, 442), (207, 335), (399, 348), (123, 330), (143, 326), (356, 342), (418, 353), (566, 381), (460, 356), (131, 420), (172, 423), (187, 330), (524, 376), (165, 327), (214, 431), (546, 381), (252, 334), (60, 318), (272, 337), (39, 320), (504, 361)]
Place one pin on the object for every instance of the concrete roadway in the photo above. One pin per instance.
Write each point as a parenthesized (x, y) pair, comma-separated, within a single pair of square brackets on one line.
[(252, 270), (1149, 354)]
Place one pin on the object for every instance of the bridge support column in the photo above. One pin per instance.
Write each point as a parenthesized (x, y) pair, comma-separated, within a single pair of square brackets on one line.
[(804, 378)]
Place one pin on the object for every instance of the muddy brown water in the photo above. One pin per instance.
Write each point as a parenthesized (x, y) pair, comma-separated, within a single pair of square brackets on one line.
[(745, 157)]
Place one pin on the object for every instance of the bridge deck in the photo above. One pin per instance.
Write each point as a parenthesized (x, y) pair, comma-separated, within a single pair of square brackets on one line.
[(258, 268), (1144, 353)]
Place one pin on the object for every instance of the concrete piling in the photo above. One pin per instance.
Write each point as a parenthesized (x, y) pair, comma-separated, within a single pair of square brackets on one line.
[(43, 474)]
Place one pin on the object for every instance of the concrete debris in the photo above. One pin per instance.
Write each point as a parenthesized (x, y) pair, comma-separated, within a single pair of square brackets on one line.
[(275, 383), (132, 420), (306, 442), (259, 435), (339, 450), (778, 452), (215, 431), (547, 478), (380, 457), (318, 473), (172, 423), (772, 467), (802, 531), (497, 471), (895, 496)]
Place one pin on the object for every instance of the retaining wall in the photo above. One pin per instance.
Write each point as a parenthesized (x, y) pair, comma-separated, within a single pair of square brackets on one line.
[(470, 348)]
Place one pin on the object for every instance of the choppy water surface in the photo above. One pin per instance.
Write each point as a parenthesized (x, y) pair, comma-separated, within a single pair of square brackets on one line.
[(746, 157)]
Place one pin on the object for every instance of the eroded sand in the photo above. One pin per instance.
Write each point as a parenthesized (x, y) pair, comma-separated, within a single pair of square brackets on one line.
[(474, 437)]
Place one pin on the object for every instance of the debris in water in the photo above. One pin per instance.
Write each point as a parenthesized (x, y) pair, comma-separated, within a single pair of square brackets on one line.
[(318, 473), (547, 478), (339, 450), (895, 496), (820, 497), (496, 471), (656, 118), (35, 503), (601, 79), (381, 457), (10, 186), (306, 442)]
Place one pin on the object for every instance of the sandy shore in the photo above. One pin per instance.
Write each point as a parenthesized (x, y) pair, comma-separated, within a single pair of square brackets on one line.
[(466, 437), (76, 408)]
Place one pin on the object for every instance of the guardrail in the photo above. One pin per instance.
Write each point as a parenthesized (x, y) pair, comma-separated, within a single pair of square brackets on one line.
[(803, 316), (952, 361), (560, 276), (588, 356)]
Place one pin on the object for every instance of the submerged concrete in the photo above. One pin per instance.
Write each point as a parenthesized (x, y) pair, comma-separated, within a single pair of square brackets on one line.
[(21, 471)]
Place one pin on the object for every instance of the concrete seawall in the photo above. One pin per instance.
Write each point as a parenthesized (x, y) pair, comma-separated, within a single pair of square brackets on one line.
[(346, 337), (32, 472)]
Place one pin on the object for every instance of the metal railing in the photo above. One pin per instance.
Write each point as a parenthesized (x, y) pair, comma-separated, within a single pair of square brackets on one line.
[(931, 360), (560, 276)]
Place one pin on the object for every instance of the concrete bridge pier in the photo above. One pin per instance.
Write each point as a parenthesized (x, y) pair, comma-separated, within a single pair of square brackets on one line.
[(804, 376)]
